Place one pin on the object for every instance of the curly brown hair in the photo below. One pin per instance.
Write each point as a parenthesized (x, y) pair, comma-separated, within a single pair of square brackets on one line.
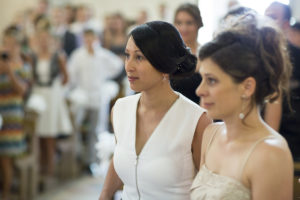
[(253, 46)]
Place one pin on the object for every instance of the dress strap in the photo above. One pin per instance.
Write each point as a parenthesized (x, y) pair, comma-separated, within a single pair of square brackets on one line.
[(210, 141), (251, 149)]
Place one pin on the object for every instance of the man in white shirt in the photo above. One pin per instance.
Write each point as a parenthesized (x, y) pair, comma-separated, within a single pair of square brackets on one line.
[(90, 67)]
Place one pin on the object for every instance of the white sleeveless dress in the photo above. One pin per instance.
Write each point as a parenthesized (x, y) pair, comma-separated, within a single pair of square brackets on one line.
[(55, 120), (164, 169), (212, 186)]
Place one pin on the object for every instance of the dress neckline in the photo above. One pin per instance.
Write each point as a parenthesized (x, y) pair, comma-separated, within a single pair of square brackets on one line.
[(157, 126), (231, 179)]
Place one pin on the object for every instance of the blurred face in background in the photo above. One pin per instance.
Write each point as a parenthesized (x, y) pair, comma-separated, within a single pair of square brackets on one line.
[(10, 44), (44, 39), (89, 40), (187, 27), (276, 12), (118, 24), (58, 16), (82, 14)]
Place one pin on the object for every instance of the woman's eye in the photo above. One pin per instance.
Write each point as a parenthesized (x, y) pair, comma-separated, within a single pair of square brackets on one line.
[(189, 23), (139, 58), (126, 56), (178, 23), (211, 81)]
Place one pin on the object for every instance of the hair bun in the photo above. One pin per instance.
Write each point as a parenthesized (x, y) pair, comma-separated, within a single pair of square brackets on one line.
[(186, 65)]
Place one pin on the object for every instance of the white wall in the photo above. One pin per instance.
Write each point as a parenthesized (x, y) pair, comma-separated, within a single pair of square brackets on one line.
[(295, 6), (8, 9)]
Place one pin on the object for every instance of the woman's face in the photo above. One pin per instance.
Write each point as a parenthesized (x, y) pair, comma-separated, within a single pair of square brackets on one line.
[(44, 38), (141, 74), (10, 44), (219, 94), (187, 26)]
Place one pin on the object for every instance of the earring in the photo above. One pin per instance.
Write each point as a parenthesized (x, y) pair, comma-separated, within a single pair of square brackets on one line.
[(242, 115)]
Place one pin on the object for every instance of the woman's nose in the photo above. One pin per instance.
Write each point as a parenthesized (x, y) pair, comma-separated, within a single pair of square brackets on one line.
[(129, 66), (200, 91)]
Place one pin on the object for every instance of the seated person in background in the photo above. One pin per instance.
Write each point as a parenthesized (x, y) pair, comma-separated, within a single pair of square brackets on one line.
[(90, 67)]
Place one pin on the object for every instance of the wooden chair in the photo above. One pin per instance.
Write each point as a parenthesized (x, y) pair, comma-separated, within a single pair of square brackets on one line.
[(28, 164)]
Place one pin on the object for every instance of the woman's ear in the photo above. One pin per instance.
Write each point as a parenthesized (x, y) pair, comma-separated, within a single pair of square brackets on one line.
[(166, 76), (248, 86)]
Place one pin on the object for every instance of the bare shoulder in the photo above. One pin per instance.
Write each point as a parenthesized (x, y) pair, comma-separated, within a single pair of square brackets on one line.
[(203, 122), (210, 131), (273, 149), (270, 169)]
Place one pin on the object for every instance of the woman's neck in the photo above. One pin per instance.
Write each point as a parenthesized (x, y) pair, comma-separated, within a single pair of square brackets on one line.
[(158, 97), (194, 46), (237, 129)]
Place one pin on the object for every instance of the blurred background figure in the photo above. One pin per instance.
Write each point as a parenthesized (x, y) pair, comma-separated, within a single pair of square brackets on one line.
[(114, 36), (90, 67), (50, 74), (290, 121), (61, 30), (70, 12), (84, 20), (14, 84), (42, 8), (164, 13), (188, 21), (141, 18)]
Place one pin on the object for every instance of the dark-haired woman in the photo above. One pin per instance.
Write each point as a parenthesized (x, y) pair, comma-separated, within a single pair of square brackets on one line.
[(243, 158), (188, 21), (157, 130)]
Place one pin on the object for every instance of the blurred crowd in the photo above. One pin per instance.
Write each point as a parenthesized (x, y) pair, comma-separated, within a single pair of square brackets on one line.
[(61, 64)]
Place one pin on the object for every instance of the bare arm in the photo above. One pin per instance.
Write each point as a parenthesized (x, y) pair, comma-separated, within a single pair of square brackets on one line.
[(273, 113), (203, 122), (271, 172), (111, 184)]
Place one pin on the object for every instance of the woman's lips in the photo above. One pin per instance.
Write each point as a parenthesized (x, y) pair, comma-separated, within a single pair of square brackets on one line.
[(207, 105), (132, 78)]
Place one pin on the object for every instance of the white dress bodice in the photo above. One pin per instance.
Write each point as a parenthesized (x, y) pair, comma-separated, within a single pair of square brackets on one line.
[(164, 169)]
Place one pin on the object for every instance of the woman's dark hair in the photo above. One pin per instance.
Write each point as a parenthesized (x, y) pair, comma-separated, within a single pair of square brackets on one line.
[(192, 10), (162, 45), (253, 46)]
